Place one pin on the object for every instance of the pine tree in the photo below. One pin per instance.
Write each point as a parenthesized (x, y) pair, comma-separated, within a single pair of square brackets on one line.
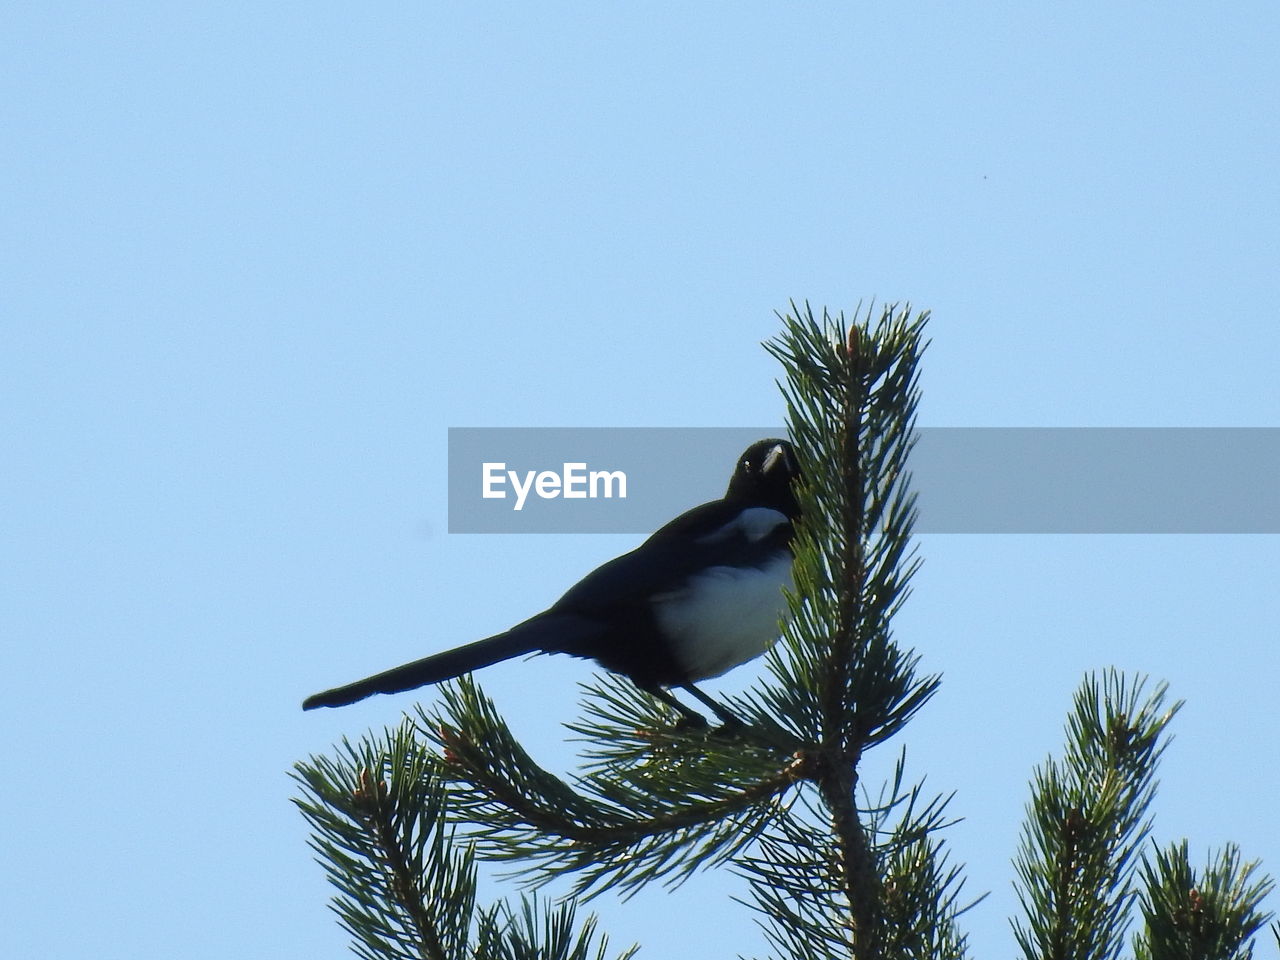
[(836, 870)]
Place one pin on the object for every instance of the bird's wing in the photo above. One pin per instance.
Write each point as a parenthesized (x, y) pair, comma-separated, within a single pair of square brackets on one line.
[(720, 533)]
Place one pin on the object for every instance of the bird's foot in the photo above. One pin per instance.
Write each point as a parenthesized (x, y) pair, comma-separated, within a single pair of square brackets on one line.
[(691, 723)]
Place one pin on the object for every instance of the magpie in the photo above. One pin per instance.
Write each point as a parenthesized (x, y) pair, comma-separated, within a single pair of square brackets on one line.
[(699, 597)]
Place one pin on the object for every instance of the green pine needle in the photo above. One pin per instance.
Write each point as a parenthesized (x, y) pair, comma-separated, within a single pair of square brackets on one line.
[(1087, 818), (1209, 916)]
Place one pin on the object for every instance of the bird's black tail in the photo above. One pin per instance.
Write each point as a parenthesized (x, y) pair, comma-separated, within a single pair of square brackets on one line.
[(540, 633)]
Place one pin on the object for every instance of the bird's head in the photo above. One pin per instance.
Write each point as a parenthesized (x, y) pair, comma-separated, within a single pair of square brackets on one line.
[(764, 476)]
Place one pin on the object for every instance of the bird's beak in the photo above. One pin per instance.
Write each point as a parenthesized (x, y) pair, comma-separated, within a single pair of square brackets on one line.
[(777, 457)]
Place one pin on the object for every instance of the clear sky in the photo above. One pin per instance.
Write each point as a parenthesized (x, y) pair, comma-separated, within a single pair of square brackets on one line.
[(259, 257)]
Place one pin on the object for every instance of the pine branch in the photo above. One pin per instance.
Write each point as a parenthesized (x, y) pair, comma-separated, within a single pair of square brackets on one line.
[(1210, 917), (407, 889), (921, 891), (541, 934), (626, 732), (1086, 819), (841, 684), (796, 882), (620, 825)]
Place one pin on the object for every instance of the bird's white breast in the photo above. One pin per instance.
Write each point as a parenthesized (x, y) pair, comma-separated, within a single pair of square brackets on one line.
[(725, 616), (753, 524)]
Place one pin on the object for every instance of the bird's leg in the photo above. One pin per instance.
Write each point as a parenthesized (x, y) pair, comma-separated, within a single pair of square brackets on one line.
[(734, 726), (691, 718), (728, 718)]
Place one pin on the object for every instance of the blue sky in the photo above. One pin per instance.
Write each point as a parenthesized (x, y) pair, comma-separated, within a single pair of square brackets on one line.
[(258, 259)]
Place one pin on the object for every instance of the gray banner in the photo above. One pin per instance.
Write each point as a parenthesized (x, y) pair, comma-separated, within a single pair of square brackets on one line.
[(969, 479)]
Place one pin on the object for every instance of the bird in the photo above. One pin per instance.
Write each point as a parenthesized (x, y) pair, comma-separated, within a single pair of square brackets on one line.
[(702, 595)]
